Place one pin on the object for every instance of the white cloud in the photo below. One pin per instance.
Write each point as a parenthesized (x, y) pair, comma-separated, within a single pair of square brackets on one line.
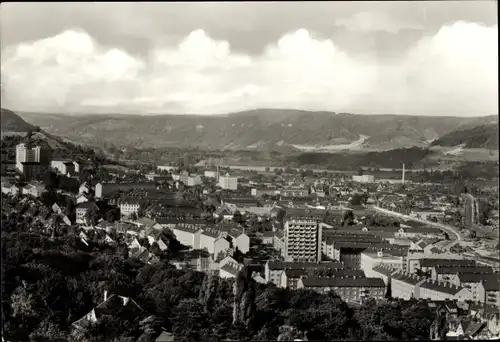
[(451, 73), (376, 21)]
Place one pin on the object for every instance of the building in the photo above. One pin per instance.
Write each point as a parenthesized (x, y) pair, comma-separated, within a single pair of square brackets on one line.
[(211, 174), (303, 239), (34, 189), (279, 242), (446, 273), (128, 207), (383, 272), (228, 183), (294, 192), (107, 189), (363, 178), (471, 210), (165, 168), (349, 289), (370, 259), (403, 285), (434, 290), (273, 269), (489, 291), (240, 240), (188, 235), (422, 261), (472, 281), (31, 170), (259, 192), (26, 154), (82, 209), (64, 167)]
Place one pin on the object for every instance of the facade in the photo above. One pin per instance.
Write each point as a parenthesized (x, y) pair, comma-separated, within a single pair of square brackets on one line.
[(63, 166), (303, 238), (34, 189), (368, 260), (273, 269), (259, 192), (403, 285), (207, 240), (294, 192), (211, 174), (363, 178), (470, 216), (30, 170), (242, 242), (290, 278), (488, 291), (188, 236), (228, 183), (279, 242), (26, 154), (82, 209), (127, 208), (221, 245), (349, 289), (434, 290)]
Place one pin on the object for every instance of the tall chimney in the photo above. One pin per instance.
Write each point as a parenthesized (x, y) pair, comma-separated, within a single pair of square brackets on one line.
[(403, 175)]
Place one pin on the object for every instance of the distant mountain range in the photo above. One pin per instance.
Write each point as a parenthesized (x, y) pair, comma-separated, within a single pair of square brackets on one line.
[(262, 129)]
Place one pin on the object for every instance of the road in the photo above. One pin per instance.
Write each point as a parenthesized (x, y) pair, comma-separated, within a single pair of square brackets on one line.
[(452, 231)]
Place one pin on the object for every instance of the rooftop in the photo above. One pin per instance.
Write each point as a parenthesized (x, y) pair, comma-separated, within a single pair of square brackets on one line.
[(343, 282)]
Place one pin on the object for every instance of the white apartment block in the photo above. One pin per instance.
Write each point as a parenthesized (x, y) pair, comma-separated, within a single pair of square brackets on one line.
[(363, 178), (303, 240), (25, 154), (228, 183), (127, 208), (403, 285)]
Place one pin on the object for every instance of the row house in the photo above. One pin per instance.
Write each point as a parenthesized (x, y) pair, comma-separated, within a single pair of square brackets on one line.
[(33, 189), (370, 259), (273, 269), (259, 192), (348, 289), (434, 290), (301, 192), (384, 272), (421, 261), (403, 285), (290, 277), (446, 273)]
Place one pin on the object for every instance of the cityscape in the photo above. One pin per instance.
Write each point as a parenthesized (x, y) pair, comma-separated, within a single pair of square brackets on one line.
[(352, 216)]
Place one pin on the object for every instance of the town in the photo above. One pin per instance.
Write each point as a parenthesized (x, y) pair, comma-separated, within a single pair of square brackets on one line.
[(354, 236)]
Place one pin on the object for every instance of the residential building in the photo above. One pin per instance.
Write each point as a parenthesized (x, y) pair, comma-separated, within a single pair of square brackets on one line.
[(445, 273), (81, 198), (240, 240), (34, 189), (211, 174), (188, 235), (64, 167), (434, 290), (384, 272), (30, 170), (471, 210), (230, 270), (422, 261), (127, 207), (489, 291), (472, 281), (303, 239), (363, 178), (221, 248), (403, 285), (370, 258), (279, 242), (82, 209), (228, 183), (107, 189), (349, 289), (290, 192), (259, 192), (27, 154), (273, 269)]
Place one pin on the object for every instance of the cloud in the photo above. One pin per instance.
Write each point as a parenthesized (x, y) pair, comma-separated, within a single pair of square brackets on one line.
[(451, 73), (376, 21)]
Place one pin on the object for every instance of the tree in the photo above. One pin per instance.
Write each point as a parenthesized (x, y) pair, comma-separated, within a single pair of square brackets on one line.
[(237, 217), (133, 216)]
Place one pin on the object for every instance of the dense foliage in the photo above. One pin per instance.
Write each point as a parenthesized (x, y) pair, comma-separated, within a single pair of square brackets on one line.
[(49, 283), (484, 136)]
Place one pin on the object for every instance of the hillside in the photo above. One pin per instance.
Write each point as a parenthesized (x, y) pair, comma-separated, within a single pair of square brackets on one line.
[(483, 136), (15, 129), (11, 122), (262, 129)]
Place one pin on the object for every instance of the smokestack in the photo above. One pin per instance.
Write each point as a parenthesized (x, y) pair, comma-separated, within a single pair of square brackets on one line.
[(403, 175)]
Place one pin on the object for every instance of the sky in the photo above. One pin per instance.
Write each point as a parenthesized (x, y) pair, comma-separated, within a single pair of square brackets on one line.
[(418, 58)]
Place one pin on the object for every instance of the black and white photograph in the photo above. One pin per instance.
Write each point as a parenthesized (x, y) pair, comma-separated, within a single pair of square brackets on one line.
[(249, 171)]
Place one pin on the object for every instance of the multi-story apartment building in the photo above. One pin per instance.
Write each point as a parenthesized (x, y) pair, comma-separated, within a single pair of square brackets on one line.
[(349, 289), (273, 269), (294, 192), (369, 259), (403, 285), (228, 183), (303, 239), (446, 273), (129, 207), (363, 178), (470, 216), (27, 154), (434, 290), (489, 291), (421, 261), (64, 166)]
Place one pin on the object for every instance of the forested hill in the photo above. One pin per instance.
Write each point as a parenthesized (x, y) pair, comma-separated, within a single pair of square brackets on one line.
[(483, 136), (261, 129)]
